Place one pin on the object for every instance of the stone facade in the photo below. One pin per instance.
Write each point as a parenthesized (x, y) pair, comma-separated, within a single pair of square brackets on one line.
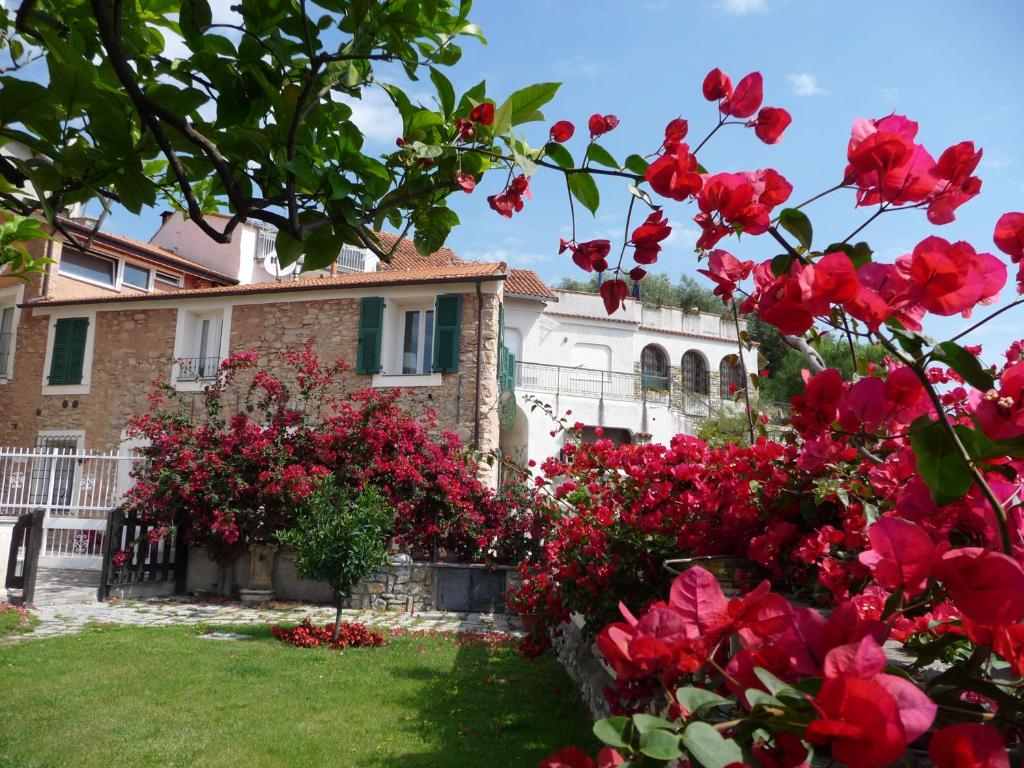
[(134, 345), (577, 653)]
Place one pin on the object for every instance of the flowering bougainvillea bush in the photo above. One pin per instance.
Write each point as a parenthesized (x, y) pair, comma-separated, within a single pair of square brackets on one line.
[(897, 502), (233, 475), (350, 634)]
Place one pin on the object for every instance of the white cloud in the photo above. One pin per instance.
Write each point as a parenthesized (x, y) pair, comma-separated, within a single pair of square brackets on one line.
[(577, 66), (514, 259), (889, 94), (683, 238), (742, 7), (996, 160), (806, 84), (375, 115)]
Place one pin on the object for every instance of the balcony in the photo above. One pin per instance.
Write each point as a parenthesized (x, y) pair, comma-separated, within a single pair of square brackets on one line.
[(198, 368), (610, 385)]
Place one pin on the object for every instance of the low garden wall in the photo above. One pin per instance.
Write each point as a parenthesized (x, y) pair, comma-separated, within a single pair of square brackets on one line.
[(577, 653), (402, 586)]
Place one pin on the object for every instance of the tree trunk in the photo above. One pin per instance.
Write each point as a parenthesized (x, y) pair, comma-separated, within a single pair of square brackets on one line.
[(337, 622)]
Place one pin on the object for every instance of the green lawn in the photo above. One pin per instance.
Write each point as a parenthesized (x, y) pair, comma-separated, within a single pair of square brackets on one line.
[(164, 697), (12, 620)]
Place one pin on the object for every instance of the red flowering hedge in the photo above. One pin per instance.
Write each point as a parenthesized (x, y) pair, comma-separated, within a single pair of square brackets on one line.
[(230, 478), (351, 634)]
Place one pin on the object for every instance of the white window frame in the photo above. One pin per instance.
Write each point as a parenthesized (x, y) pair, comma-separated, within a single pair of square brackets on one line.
[(393, 342), (148, 270), (162, 277), (11, 296), (115, 286), (187, 341), (90, 342)]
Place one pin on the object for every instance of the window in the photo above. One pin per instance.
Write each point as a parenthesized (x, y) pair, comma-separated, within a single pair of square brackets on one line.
[(203, 362), (135, 276), (6, 340), (418, 341), (733, 376), (654, 368), (167, 279), (265, 244), (351, 260), (68, 357), (87, 266), (695, 373)]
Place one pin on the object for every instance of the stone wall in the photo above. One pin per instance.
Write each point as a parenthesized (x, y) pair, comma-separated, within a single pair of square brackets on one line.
[(135, 346), (577, 654)]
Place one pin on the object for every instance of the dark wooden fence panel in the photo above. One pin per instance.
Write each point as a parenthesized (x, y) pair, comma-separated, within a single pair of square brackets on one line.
[(133, 558), (27, 537)]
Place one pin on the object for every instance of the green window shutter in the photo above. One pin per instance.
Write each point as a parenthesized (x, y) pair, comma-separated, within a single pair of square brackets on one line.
[(447, 332), (371, 327), (68, 358)]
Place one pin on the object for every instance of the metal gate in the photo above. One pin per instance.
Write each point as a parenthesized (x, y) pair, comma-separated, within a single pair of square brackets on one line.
[(76, 490)]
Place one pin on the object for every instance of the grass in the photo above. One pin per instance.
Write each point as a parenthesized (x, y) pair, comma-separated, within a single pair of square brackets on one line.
[(164, 697), (13, 619)]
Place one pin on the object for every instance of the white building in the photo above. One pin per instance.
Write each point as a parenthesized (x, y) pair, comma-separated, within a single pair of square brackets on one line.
[(644, 374)]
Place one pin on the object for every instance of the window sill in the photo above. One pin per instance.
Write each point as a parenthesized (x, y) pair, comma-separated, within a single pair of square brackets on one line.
[(381, 380), (66, 389)]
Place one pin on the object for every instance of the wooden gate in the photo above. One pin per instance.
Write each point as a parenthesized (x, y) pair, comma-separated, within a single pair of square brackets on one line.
[(75, 489), (23, 562)]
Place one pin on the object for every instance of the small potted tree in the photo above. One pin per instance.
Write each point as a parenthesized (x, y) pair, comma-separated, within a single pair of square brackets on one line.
[(340, 538)]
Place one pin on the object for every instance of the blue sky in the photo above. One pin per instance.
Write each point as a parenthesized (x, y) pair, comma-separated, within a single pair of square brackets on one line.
[(954, 67)]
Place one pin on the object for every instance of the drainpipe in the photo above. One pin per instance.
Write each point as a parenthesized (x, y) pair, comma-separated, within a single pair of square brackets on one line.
[(46, 275), (479, 349)]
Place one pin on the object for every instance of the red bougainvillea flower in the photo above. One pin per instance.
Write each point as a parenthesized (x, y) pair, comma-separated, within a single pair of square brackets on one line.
[(676, 130), (770, 124), (868, 716), (465, 181), (562, 131), (726, 271), (613, 292), (862, 406), (968, 745), (674, 174), (1000, 414), (905, 396), (817, 407), (956, 184), (886, 165), (511, 200), (464, 127), (788, 751), (717, 85), (834, 280), (738, 201), (986, 587), (601, 124), (1009, 235), (637, 273), (746, 98), (902, 555), (785, 305), (574, 757), (483, 113), (589, 256), (950, 278), (648, 236)]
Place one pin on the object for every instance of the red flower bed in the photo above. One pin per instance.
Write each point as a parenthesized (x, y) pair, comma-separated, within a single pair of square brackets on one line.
[(307, 635)]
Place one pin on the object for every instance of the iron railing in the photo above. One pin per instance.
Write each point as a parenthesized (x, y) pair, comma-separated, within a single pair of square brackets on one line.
[(611, 385), (198, 368)]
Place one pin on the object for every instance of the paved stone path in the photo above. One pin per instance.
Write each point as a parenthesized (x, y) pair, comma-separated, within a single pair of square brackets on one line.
[(67, 619)]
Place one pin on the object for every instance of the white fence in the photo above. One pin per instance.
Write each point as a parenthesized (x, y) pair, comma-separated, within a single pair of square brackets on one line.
[(76, 489)]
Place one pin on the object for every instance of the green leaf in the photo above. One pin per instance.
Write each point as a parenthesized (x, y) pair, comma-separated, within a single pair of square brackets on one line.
[(939, 463), (660, 745), (860, 253), (636, 164), (502, 124), (287, 247), (525, 103), (584, 189), (613, 731), (758, 698), (322, 248), (696, 699), (709, 747), (601, 156), (559, 154), (774, 685), (964, 363), (445, 91), (797, 224), (780, 264), (645, 723), (432, 229)]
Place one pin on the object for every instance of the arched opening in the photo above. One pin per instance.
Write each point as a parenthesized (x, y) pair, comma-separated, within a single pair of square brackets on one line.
[(654, 368), (733, 376), (695, 373)]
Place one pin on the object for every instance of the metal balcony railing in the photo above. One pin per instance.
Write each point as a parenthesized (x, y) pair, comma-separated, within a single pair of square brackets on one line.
[(611, 385), (198, 368)]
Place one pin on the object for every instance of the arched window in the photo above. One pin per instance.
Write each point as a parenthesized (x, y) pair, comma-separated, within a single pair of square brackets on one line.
[(695, 373), (654, 367), (733, 376)]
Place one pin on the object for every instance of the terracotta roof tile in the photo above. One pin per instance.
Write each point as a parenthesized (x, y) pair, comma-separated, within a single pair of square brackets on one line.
[(438, 274), (406, 256), (526, 282)]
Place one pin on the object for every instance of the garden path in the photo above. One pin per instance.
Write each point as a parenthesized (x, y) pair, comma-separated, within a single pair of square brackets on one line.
[(67, 619)]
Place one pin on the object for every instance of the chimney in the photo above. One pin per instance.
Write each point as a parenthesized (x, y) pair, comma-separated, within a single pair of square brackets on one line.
[(334, 268)]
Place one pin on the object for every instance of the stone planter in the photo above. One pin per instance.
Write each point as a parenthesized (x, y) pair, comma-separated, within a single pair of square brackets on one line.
[(260, 587), (734, 573)]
